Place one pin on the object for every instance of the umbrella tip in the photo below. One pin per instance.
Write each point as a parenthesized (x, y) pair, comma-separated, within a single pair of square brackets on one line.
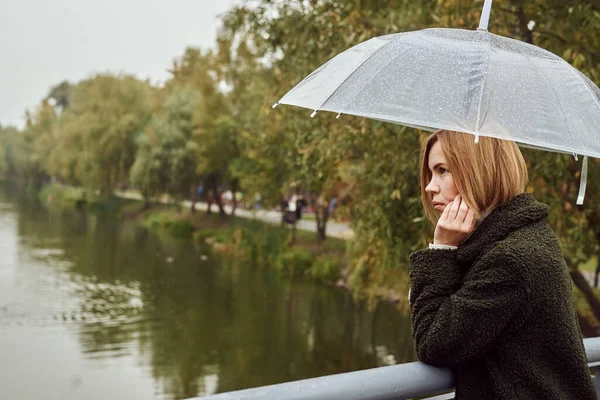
[(338, 116), (476, 137), (485, 15), (313, 114), (275, 105)]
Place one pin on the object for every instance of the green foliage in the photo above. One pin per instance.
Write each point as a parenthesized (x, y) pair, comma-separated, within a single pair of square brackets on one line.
[(258, 242), (13, 154), (154, 221), (326, 269), (295, 261), (175, 226), (166, 158), (61, 195), (212, 235), (95, 143), (38, 137), (108, 205), (61, 95), (181, 228)]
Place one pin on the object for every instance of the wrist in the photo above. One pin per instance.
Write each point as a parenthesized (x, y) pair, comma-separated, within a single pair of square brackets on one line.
[(433, 246), (437, 242)]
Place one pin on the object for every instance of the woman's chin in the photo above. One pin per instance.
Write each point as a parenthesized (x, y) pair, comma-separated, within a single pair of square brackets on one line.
[(439, 209)]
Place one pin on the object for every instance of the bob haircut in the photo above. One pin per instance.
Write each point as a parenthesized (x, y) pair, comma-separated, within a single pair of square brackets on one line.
[(486, 174)]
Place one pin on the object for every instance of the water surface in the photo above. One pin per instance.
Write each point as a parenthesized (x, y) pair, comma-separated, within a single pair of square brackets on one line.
[(92, 307)]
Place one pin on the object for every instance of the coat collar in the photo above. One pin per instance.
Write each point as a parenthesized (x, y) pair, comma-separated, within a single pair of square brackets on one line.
[(522, 210)]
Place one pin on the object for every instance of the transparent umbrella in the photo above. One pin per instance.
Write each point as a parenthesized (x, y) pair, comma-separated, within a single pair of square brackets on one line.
[(461, 80)]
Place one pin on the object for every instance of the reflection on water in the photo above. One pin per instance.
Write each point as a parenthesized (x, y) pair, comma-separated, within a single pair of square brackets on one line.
[(93, 307)]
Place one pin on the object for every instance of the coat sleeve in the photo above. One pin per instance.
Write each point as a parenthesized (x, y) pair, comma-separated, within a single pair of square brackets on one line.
[(457, 319)]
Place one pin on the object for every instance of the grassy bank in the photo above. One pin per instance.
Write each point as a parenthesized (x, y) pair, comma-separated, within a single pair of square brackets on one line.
[(258, 242), (267, 245)]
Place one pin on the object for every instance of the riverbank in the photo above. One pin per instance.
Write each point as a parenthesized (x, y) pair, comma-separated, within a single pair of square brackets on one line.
[(336, 229), (261, 243)]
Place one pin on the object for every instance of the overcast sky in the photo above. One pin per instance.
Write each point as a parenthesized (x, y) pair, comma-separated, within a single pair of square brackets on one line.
[(44, 42)]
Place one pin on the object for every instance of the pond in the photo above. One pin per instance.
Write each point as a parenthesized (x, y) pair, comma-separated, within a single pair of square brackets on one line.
[(94, 307)]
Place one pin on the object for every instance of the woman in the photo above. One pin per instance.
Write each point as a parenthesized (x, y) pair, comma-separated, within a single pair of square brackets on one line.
[(491, 298)]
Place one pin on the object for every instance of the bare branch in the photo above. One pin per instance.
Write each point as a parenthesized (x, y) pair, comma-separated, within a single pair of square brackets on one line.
[(551, 34), (506, 10)]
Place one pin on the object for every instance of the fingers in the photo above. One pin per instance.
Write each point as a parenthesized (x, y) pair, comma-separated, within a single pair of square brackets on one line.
[(445, 213), (470, 220), (462, 211), (454, 207), (456, 223)]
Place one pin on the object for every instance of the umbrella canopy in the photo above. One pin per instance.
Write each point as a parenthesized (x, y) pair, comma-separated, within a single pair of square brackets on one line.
[(467, 81)]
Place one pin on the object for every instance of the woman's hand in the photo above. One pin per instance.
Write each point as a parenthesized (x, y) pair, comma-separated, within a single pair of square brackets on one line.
[(455, 225)]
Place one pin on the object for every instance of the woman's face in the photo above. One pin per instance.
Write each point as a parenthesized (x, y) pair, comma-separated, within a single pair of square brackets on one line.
[(441, 187)]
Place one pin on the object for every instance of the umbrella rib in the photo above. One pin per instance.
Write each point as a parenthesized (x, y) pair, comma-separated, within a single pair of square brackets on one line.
[(485, 74), (556, 97), (355, 69)]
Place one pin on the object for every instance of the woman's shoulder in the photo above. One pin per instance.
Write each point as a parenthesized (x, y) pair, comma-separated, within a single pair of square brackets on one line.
[(527, 246)]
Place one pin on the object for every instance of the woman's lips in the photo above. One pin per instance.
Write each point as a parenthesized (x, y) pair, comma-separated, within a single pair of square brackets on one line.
[(439, 206)]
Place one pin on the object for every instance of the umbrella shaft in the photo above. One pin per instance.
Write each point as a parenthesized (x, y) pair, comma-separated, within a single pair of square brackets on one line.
[(485, 15)]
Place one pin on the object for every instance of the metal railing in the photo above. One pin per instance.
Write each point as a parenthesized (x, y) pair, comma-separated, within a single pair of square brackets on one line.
[(396, 382)]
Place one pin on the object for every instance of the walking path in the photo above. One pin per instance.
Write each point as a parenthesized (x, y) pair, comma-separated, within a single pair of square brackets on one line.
[(339, 230)]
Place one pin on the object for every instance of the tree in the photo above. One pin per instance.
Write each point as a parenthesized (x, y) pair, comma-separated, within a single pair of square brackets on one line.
[(294, 38), (212, 132), (13, 153), (61, 95), (264, 156), (99, 127), (39, 137), (165, 160)]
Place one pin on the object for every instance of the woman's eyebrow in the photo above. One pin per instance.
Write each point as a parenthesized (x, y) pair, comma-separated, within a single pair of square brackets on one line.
[(437, 165)]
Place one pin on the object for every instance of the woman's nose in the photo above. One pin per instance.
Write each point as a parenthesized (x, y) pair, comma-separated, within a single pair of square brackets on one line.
[(432, 187)]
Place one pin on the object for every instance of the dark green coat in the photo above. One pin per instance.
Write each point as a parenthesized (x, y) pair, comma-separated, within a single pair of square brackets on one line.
[(499, 310)]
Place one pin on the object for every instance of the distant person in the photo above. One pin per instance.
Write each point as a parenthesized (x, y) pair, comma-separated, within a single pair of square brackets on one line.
[(491, 297), (332, 205), (289, 215), (292, 205), (257, 200), (300, 204)]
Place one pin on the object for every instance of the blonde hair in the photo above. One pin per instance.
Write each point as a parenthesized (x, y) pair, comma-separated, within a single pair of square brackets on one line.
[(486, 174)]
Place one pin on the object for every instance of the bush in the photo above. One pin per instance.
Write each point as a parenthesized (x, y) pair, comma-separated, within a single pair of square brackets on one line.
[(155, 221), (181, 228), (109, 205), (61, 195), (178, 227), (326, 269), (295, 261), (201, 235), (257, 242)]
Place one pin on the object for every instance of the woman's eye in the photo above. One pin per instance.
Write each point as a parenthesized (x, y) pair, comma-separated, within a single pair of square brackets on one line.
[(442, 170)]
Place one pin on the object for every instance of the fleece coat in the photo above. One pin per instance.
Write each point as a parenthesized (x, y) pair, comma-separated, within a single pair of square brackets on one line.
[(499, 310)]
